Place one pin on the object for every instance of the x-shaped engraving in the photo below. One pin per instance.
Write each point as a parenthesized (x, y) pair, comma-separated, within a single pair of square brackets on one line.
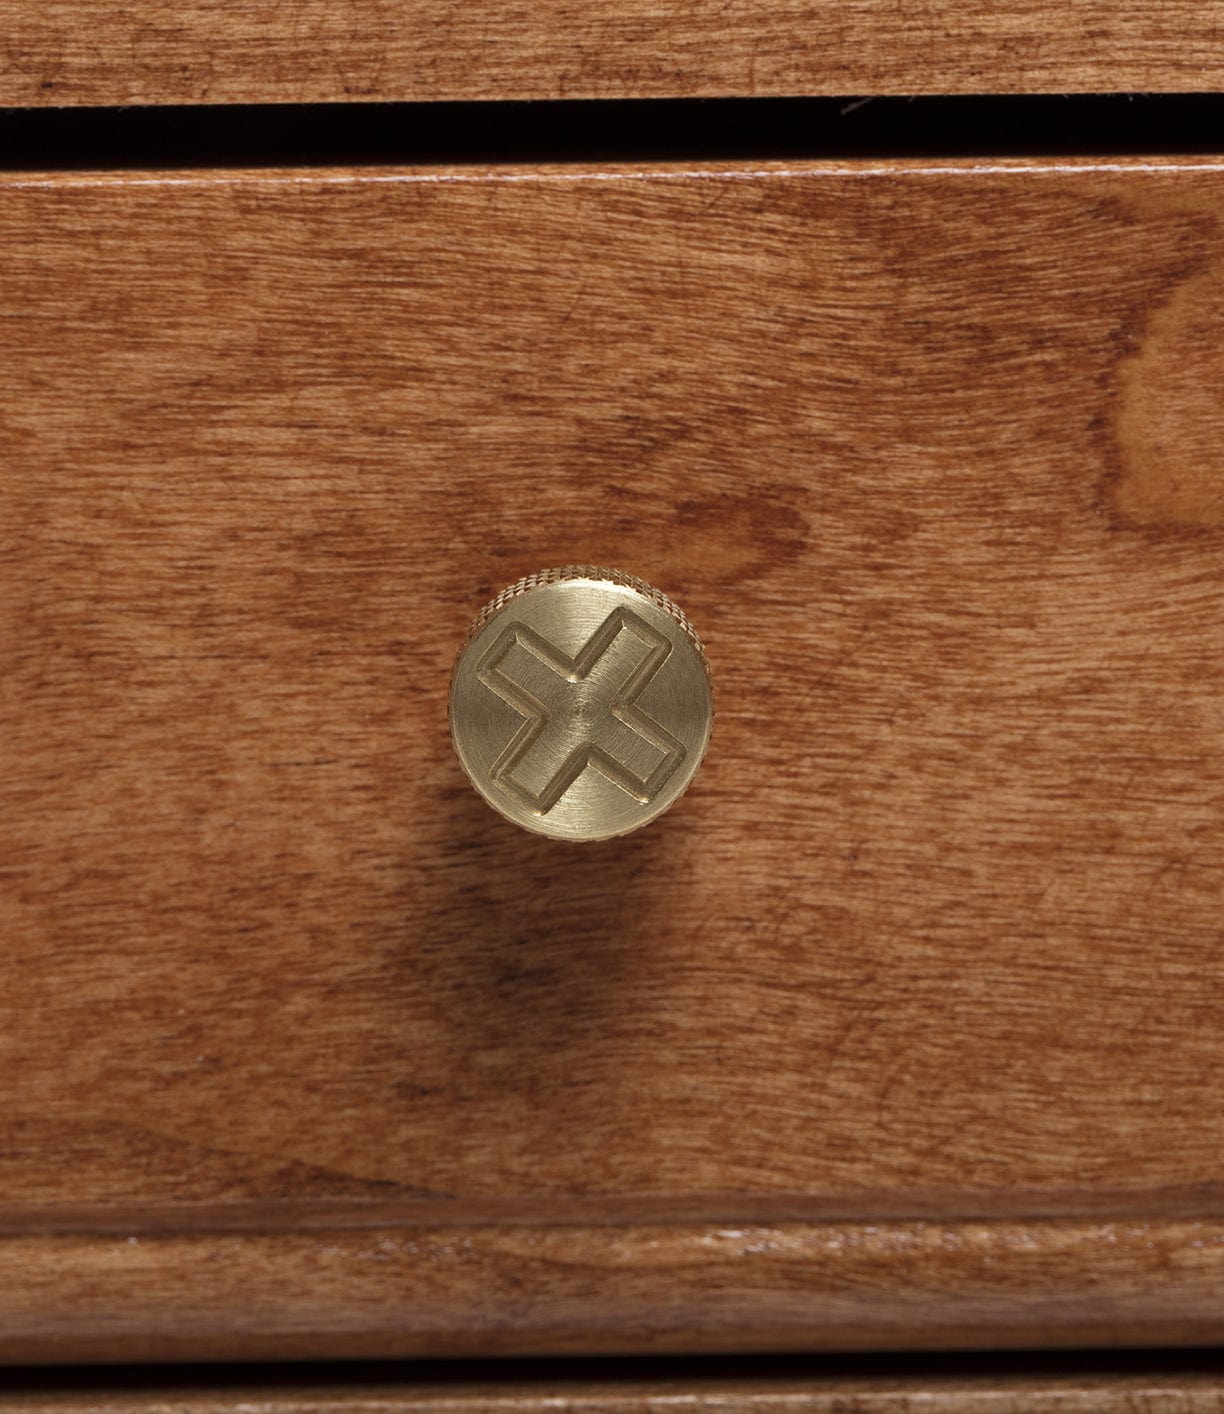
[(581, 711)]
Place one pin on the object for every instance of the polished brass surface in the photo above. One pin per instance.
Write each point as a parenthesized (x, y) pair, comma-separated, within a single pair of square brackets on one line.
[(581, 704)]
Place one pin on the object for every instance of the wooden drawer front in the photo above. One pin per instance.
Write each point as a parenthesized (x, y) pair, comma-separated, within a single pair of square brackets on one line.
[(903, 1028), (59, 52), (1170, 1391)]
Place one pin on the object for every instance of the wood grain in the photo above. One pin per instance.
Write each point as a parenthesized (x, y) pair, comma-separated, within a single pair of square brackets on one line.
[(315, 51), (1166, 1391), (932, 457)]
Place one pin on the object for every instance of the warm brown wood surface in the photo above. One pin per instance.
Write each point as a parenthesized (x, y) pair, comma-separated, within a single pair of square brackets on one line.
[(934, 459), (1170, 1391), (257, 51), (513, 1289)]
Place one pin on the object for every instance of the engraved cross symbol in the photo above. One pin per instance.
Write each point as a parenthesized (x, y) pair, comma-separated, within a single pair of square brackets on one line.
[(581, 711)]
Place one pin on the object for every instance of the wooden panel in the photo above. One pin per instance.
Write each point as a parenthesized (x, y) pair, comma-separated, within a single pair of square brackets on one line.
[(1170, 1391), (218, 51), (932, 456)]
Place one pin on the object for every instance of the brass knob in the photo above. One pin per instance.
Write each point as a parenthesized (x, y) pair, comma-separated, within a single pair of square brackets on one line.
[(581, 704)]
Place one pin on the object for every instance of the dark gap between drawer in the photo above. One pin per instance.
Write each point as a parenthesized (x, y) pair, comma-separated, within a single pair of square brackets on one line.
[(360, 134), (563, 1373)]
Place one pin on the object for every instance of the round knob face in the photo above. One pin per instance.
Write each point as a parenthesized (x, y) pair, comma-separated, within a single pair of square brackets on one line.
[(581, 703)]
